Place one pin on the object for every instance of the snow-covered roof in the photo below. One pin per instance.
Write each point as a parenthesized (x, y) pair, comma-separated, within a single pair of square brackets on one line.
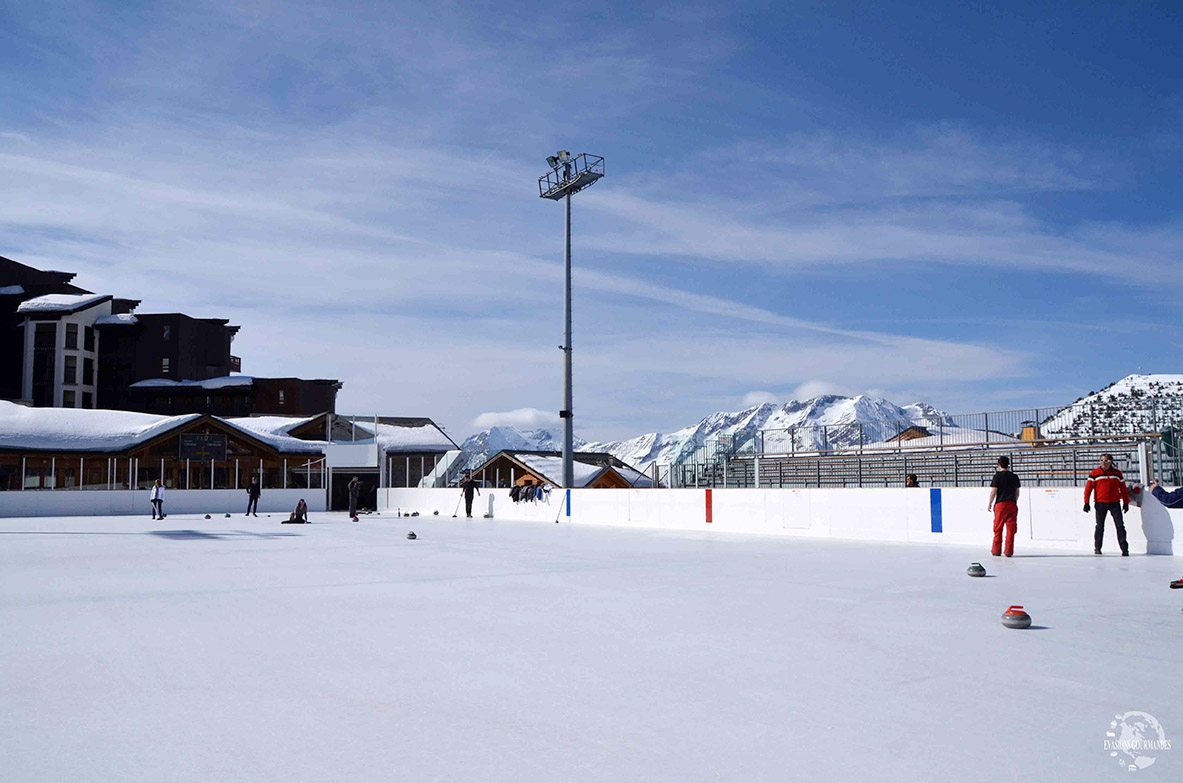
[(60, 302), (551, 468), (6, 290), (398, 438), (80, 429), (210, 383), (85, 429), (269, 425), (122, 319), (277, 440)]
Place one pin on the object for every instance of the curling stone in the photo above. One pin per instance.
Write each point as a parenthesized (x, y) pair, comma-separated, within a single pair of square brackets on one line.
[(412, 535), (207, 516), (976, 569), (227, 516), (1015, 617), (353, 519), (486, 516), (1177, 584), (414, 513), (435, 513)]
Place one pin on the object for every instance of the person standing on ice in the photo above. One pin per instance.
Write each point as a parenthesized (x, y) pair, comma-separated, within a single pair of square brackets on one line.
[(1112, 497), (252, 497), (1004, 502), (157, 498), (354, 487), (468, 486)]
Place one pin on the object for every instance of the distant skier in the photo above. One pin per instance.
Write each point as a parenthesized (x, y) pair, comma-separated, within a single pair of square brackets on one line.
[(157, 498), (253, 490), (1168, 499), (468, 486), (354, 490), (1112, 497), (1004, 502)]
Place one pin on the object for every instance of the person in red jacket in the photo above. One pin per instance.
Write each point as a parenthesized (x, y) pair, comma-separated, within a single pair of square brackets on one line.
[(1112, 497)]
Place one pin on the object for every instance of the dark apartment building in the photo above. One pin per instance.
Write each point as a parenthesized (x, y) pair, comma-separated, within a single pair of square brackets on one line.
[(62, 346), (170, 346), (19, 282)]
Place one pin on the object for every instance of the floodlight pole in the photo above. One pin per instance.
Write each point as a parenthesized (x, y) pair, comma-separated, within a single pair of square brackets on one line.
[(568, 176), (568, 420)]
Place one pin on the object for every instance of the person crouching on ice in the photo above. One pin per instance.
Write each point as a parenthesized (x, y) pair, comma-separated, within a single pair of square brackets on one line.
[(300, 515), (1004, 501)]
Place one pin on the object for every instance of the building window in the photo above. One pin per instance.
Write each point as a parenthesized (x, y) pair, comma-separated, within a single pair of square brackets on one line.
[(88, 373), (72, 336), (88, 337), (71, 375), (281, 396), (87, 400), (45, 335), (164, 365), (168, 332), (68, 399)]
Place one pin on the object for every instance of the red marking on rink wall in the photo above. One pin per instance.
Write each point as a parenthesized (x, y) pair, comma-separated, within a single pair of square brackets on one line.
[(710, 510)]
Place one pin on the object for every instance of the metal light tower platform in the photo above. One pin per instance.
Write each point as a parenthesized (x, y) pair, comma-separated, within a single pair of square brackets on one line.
[(568, 175)]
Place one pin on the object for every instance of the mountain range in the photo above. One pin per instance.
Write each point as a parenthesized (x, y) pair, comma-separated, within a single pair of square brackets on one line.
[(836, 421)]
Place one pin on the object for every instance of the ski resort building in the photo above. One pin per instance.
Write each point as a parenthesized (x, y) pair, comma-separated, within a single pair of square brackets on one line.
[(209, 459)]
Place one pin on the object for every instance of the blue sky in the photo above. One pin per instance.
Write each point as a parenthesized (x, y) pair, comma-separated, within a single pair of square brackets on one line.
[(976, 205)]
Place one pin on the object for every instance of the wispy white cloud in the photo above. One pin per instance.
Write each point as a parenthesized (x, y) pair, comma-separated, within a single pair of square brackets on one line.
[(522, 418)]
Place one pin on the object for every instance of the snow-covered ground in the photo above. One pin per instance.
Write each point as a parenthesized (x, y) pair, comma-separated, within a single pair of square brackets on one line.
[(242, 650)]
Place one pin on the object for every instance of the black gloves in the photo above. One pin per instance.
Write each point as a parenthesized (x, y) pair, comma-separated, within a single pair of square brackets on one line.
[(1086, 507)]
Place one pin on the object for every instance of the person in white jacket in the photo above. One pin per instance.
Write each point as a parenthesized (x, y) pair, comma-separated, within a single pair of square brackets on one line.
[(157, 498)]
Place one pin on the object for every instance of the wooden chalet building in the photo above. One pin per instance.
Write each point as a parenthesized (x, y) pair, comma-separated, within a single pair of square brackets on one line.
[(593, 470), (77, 449)]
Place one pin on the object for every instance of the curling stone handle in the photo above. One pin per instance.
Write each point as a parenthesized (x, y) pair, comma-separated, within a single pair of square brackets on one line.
[(1013, 608)]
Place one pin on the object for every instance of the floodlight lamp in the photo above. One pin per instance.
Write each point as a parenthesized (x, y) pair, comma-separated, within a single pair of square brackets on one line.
[(552, 161), (564, 156)]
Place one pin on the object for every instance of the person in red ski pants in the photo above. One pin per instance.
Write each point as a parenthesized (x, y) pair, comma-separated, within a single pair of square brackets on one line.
[(1004, 502)]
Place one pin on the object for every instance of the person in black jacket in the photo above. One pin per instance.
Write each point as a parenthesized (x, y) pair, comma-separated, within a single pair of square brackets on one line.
[(354, 491), (253, 491), (468, 486)]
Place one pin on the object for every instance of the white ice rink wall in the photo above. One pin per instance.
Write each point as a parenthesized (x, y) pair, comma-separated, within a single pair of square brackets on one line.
[(1048, 518), (98, 502)]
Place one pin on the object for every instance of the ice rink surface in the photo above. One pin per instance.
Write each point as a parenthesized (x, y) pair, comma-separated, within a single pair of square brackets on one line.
[(242, 650)]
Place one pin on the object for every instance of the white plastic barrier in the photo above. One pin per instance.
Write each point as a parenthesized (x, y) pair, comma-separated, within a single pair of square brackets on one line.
[(86, 502), (1050, 518)]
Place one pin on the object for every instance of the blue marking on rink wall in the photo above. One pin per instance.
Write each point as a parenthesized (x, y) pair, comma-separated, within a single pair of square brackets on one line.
[(934, 501), (568, 504)]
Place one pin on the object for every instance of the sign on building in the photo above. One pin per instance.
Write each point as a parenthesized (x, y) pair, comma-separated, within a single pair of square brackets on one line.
[(203, 447)]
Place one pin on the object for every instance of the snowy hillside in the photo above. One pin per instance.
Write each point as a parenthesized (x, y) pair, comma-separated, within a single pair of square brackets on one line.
[(1136, 403), (880, 419), (480, 447)]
